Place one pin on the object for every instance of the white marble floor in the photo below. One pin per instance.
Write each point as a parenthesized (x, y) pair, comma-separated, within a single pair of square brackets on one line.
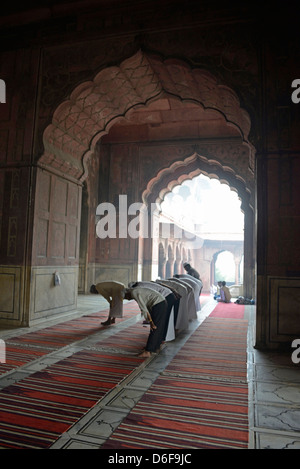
[(274, 386), (274, 400)]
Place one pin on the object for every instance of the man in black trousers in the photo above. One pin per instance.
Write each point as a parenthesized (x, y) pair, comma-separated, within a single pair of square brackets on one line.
[(154, 308)]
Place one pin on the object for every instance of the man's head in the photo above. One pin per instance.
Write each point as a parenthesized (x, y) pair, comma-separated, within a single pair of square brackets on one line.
[(186, 266), (93, 289), (127, 294), (132, 284)]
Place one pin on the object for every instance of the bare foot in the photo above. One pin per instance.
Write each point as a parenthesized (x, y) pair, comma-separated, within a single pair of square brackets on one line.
[(145, 354)]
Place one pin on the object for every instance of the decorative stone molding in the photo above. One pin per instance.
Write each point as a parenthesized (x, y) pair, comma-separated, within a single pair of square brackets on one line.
[(192, 166), (94, 106)]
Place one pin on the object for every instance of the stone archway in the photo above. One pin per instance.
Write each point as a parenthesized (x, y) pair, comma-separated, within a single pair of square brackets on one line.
[(165, 180), (95, 106), (91, 112)]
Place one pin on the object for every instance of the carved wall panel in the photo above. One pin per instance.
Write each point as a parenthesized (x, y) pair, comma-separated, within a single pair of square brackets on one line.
[(283, 251), (124, 273), (284, 301), (57, 220), (49, 299), (13, 215), (11, 281)]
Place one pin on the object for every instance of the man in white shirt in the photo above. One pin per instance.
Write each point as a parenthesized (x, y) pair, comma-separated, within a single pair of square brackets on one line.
[(191, 312), (165, 292), (181, 320), (154, 308), (196, 284)]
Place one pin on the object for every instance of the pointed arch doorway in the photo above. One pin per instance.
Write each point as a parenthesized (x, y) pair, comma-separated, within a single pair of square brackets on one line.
[(133, 130), (187, 169)]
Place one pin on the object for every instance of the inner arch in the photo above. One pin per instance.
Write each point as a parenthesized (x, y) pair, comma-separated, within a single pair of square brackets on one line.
[(206, 205), (192, 166)]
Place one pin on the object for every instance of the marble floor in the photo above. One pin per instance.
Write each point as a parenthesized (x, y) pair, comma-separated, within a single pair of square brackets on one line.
[(274, 386)]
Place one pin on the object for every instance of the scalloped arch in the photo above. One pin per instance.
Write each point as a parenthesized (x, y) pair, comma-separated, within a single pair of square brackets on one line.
[(94, 106), (180, 171)]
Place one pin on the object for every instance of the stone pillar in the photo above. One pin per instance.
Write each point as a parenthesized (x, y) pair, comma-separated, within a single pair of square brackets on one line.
[(15, 244), (278, 254), (249, 261), (237, 261)]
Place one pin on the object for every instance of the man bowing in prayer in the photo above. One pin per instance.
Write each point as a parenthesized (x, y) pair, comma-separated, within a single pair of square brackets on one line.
[(114, 293), (154, 308)]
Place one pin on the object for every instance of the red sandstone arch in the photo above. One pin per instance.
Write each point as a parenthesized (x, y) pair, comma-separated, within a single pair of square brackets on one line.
[(94, 106), (192, 166), (167, 178)]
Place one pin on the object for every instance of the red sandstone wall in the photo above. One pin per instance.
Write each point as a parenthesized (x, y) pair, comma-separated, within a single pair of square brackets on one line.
[(42, 67)]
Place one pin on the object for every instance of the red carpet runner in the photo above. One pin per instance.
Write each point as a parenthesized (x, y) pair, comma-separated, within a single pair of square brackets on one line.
[(35, 411), (200, 401), (21, 350), (228, 310)]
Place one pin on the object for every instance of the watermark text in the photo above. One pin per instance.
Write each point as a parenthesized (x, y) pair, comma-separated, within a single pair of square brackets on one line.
[(296, 353), (296, 92), (137, 221), (2, 91), (2, 351)]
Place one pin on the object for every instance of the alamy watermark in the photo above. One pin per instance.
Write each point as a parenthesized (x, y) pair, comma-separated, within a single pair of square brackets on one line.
[(296, 353), (137, 221), (2, 91), (2, 351), (296, 93)]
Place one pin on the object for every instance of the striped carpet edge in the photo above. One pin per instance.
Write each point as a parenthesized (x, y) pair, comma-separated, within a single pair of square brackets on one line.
[(200, 400)]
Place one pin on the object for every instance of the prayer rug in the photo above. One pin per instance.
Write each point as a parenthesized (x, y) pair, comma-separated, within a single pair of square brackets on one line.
[(36, 410), (23, 349), (131, 340), (200, 400), (228, 310), (217, 348)]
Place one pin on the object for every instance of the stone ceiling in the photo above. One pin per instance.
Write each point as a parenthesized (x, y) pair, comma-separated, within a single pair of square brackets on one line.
[(170, 119)]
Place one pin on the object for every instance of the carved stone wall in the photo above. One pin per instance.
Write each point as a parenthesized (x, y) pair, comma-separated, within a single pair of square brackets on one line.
[(50, 64)]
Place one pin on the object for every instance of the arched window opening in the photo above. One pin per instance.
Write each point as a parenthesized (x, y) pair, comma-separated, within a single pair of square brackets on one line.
[(225, 268), (206, 216)]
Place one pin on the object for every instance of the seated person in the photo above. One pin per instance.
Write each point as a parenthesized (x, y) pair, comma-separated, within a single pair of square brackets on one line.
[(225, 293)]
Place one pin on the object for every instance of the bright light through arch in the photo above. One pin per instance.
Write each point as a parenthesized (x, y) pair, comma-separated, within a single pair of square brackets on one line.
[(212, 211), (207, 204)]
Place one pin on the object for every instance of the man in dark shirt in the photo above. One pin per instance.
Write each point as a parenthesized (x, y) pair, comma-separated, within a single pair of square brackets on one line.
[(191, 271)]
